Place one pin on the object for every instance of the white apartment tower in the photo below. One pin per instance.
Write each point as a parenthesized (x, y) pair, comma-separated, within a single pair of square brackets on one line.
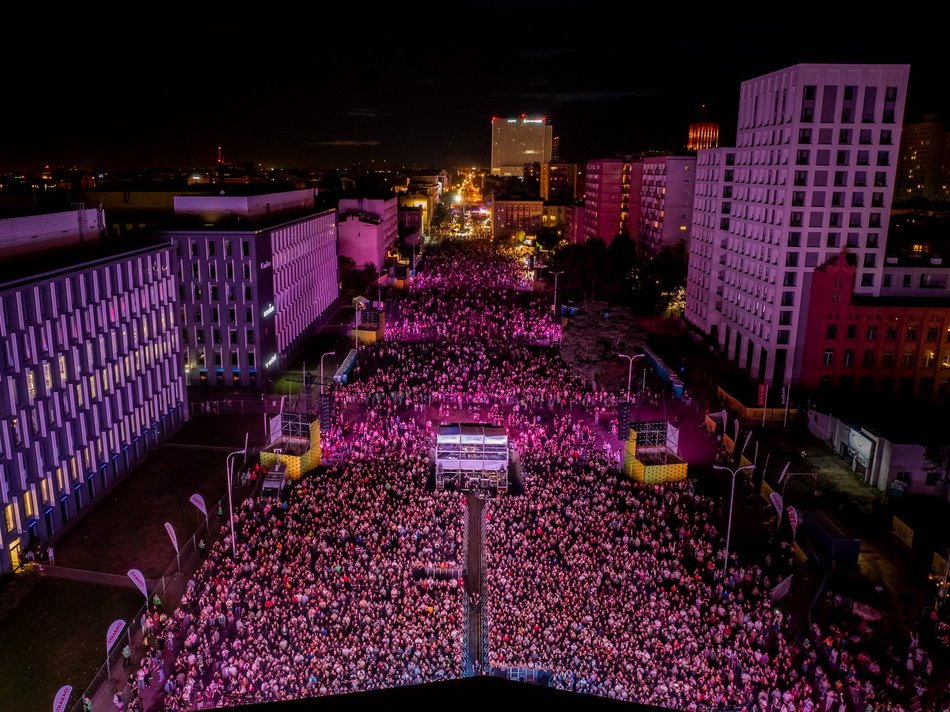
[(712, 206), (815, 166)]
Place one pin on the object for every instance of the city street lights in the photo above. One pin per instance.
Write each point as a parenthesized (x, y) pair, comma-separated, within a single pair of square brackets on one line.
[(631, 359), (230, 501), (328, 353), (732, 499), (554, 306)]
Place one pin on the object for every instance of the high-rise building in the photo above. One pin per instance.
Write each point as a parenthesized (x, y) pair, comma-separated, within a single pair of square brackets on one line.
[(666, 200), (702, 135), (815, 168), (607, 197), (257, 273), (712, 205), (922, 151), (559, 182), (92, 373), (517, 141)]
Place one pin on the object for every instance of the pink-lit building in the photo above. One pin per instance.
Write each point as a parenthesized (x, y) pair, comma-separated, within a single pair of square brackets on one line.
[(875, 344), (610, 186), (367, 228), (91, 361), (575, 224), (256, 274), (666, 196), (815, 169), (708, 234)]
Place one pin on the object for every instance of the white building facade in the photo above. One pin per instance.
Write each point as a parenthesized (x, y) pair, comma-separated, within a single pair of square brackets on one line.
[(367, 229), (253, 290), (708, 234), (815, 166), (92, 380)]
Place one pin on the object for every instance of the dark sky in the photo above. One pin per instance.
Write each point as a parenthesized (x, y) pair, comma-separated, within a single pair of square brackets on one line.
[(309, 86)]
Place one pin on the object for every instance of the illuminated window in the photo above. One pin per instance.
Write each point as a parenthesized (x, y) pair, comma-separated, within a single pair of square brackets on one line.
[(63, 375), (47, 378), (9, 517), (31, 384)]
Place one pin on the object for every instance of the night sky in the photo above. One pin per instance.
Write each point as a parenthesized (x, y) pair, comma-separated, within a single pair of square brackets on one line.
[(163, 85)]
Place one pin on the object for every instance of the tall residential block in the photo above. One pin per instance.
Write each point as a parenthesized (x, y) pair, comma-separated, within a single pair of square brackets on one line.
[(708, 236), (815, 168), (666, 200), (520, 140), (257, 275), (612, 187), (921, 160), (92, 376)]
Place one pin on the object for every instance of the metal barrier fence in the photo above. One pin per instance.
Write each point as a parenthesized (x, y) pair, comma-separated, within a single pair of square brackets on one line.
[(170, 587)]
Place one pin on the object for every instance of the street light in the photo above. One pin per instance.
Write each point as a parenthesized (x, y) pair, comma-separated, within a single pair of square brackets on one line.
[(554, 306), (230, 501), (328, 353), (732, 499), (631, 359)]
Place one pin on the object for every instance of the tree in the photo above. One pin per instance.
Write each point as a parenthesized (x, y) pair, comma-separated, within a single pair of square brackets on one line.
[(440, 214)]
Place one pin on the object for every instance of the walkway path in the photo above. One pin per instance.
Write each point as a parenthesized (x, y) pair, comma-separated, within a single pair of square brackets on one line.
[(474, 575)]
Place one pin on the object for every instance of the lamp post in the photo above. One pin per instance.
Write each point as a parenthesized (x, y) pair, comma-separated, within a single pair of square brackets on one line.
[(732, 499), (554, 306), (230, 500), (631, 359), (328, 353)]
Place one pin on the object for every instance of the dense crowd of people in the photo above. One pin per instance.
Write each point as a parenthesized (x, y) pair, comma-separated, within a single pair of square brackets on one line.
[(468, 316), (612, 588), (322, 598)]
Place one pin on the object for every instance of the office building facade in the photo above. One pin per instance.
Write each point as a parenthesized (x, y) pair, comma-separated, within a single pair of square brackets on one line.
[(92, 371), (508, 216), (253, 284), (517, 141)]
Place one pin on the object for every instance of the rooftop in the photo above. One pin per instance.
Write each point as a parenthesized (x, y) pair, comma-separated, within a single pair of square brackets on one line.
[(27, 267), (238, 223)]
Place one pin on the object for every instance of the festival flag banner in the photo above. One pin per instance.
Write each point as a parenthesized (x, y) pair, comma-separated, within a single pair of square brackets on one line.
[(793, 519), (62, 698), (199, 502), (115, 630), (139, 580), (776, 499), (784, 472), (171, 535), (782, 588)]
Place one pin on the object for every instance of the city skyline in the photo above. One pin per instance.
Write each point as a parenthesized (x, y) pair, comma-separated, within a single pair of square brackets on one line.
[(335, 89)]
